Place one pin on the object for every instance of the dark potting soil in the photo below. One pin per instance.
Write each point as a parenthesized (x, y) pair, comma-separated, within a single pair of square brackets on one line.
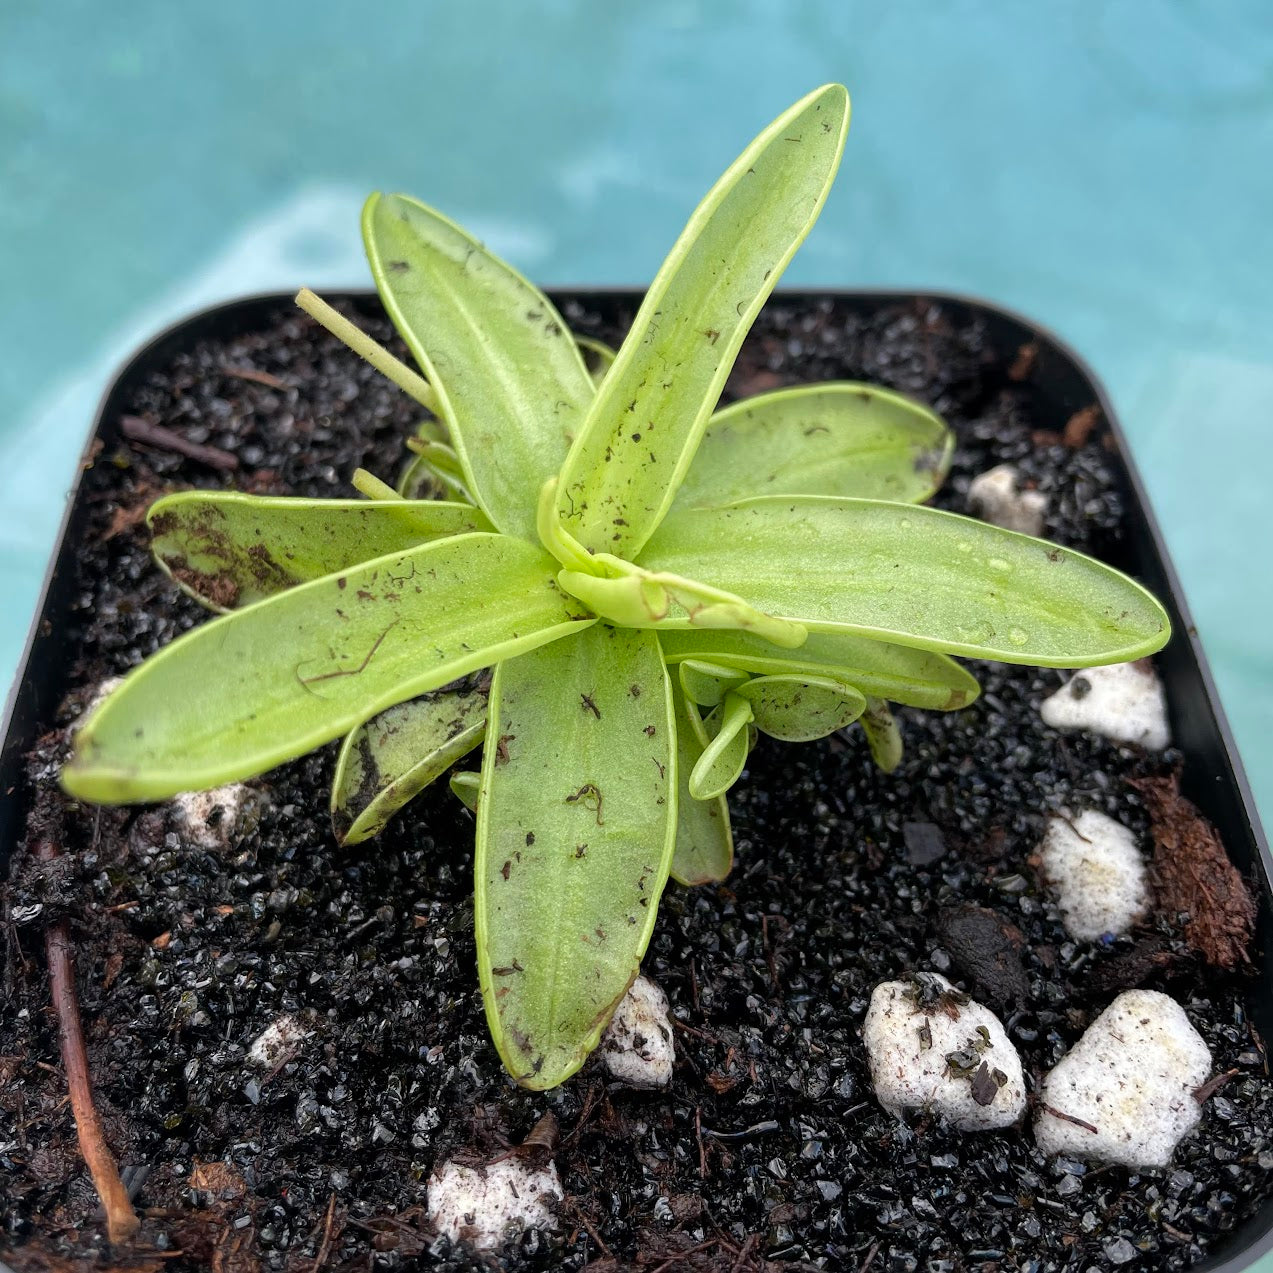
[(769, 1144)]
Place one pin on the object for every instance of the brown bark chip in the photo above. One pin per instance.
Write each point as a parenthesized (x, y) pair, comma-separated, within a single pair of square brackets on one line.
[(1193, 876)]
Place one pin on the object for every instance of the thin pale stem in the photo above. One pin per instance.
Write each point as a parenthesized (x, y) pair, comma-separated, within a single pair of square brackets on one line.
[(410, 382), (369, 485)]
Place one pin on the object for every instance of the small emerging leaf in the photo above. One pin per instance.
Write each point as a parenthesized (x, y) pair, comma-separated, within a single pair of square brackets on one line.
[(391, 758), (466, 786), (508, 380), (252, 689), (799, 709), (704, 850), (707, 683), (598, 357), (229, 550), (917, 678), (825, 439), (575, 829), (644, 425), (723, 758), (915, 576), (882, 735)]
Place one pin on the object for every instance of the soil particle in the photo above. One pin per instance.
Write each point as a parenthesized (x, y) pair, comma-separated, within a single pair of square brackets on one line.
[(985, 948), (768, 1122), (1194, 877)]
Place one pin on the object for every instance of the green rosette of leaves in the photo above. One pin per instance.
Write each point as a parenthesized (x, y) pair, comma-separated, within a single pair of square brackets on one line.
[(616, 588)]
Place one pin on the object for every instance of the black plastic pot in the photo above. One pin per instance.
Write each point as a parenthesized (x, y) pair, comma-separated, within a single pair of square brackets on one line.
[(1213, 777)]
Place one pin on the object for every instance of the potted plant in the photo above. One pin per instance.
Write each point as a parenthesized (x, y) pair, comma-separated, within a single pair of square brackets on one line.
[(644, 619)]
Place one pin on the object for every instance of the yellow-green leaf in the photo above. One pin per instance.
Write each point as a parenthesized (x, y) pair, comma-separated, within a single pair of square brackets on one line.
[(799, 709), (704, 850), (838, 438), (391, 758), (251, 689), (915, 576), (229, 550), (644, 425), (575, 827), (917, 678), (725, 754), (508, 380)]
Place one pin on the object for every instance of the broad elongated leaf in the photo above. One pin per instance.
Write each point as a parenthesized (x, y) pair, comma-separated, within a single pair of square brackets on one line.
[(915, 576), (723, 758), (510, 384), (798, 709), (917, 678), (707, 683), (704, 842), (229, 550), (575, 826), (391, 758), (882, 735), (649, 413), (839, 438), (254, 688)]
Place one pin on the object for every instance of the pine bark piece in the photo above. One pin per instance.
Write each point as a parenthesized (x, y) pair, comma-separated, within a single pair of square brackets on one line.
[(1193, 876)]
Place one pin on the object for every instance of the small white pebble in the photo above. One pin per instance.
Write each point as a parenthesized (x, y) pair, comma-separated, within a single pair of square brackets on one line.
[(487, 1207), (96, 698), (1121, 701), (637, 1046), (218, 819), (278, 1042), (1132, 1077), (1097, 872), (928, 1046), (997, 498)]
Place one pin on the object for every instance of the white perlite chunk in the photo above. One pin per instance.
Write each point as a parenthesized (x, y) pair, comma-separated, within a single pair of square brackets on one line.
[(279, 1042), (1131, 1079), (487, 1207), (637, 1046), (1097, 872), (931, 1047), (1122, 701), (217, 819), (996, 497)]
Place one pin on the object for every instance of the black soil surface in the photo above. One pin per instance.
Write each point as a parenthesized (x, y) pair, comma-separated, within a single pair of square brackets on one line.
[(768, 1145)]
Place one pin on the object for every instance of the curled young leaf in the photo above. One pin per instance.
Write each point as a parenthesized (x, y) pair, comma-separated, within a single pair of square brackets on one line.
[(838, 438), (636, 598), (915, 576), (508, 380), (725, 754), (576, 823), (917, 678), (882, 735), (391, 758), (254, 688), (704, 850), (642, 429), (229, 550), (798, 709)]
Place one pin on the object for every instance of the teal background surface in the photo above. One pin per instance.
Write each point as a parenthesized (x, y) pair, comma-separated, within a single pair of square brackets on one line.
[(1105, 167)]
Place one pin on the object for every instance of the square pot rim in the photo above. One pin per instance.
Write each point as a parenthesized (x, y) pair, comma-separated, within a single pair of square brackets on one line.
[(1244, 1246)]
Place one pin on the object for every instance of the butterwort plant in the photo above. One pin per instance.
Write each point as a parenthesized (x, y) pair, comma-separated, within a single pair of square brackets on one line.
[(612, 587)]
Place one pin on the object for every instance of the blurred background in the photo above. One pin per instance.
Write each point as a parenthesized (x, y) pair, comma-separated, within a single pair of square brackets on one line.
[(1104, 167)]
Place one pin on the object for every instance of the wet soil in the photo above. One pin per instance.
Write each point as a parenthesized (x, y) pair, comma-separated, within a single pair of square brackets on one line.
[(768, 1147)]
